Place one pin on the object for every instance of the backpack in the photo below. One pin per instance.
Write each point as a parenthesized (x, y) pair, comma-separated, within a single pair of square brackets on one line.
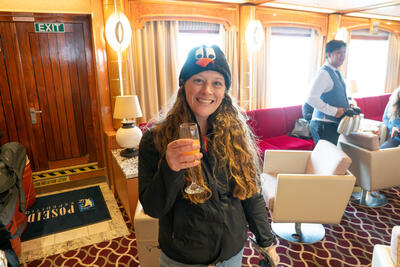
[(301, 129), (12, 166)]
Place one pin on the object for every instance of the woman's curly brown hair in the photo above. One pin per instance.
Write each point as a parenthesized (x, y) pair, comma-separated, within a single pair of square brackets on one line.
[(232, 142)]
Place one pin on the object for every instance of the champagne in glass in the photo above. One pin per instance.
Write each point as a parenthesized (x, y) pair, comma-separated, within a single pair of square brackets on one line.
[(190, 131)]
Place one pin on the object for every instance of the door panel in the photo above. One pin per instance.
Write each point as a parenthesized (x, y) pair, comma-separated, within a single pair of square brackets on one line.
[(8, 126), (57, 77), (12, 112)]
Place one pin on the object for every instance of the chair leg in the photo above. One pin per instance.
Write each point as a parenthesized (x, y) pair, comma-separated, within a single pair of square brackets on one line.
[(369, 198), (304, 233)]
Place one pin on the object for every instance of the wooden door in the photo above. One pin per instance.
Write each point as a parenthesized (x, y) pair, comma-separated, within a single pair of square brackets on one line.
[(11, 114), (60, 99)]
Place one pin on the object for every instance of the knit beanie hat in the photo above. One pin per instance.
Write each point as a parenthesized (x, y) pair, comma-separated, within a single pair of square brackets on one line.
[(203, 58)]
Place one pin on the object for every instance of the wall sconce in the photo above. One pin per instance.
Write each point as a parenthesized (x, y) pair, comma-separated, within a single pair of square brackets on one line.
[(118, 34), (118, 31), (254, 35), (128, 136)]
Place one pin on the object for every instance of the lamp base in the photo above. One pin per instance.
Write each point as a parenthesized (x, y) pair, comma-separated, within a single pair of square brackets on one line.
[(129, 152)]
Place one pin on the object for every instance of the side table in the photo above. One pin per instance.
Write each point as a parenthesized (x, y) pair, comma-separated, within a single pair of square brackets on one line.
[(126, 181)]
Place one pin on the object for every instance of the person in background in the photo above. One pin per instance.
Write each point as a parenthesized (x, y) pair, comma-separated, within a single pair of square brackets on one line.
[(328, 95), (208, 228), (391, 119)]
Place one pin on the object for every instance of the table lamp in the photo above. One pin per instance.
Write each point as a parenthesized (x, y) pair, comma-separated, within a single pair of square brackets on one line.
[(128, 136)]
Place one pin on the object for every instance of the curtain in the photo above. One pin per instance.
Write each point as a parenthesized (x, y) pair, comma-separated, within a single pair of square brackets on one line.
[(343, 68), (155, 64), (260, 95), (392, 73), (317, 53), (231, 52)]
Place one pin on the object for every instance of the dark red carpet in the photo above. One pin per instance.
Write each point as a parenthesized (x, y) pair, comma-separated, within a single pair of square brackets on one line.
[(348, 244)]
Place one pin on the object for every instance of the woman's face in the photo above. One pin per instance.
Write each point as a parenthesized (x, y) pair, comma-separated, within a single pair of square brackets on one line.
[(204, 93)]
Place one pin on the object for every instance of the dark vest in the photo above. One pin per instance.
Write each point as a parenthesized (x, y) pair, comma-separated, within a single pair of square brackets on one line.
[(336, 97)]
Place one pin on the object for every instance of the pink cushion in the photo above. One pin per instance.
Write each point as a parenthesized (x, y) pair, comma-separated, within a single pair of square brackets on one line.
[(271, 122), (264, 145), (373, 106), (292, 113), (327, 159), (291, 143)]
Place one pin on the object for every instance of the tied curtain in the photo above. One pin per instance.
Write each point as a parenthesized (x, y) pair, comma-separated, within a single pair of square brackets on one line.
[(155, 61), (393, 64), (230, 49), (260, 89)]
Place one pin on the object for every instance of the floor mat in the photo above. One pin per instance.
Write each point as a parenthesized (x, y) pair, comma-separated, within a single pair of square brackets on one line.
[(59, 212)]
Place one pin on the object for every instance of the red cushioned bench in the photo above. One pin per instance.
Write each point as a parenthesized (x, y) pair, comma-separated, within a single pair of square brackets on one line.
[(272, 125)]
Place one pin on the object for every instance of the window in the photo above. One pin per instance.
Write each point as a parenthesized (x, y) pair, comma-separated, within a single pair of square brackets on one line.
[(291, 64), (193, 34), (367, 62)]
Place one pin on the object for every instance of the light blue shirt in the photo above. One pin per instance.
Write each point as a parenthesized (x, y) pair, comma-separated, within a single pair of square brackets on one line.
[(390, 124)]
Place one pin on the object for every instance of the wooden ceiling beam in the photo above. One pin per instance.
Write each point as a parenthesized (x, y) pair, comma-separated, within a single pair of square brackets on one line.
[(370, 7), (257, 2)]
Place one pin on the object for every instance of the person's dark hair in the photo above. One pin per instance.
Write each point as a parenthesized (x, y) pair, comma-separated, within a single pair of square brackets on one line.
[(334, 45)]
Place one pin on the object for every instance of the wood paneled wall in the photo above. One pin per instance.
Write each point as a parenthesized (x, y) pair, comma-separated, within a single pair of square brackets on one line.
[(150, 10), (292, 18), (354, 23)]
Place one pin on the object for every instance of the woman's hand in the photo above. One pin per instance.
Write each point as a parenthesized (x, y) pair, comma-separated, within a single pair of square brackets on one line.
[(395, 131), (272, 254), (177, 160)]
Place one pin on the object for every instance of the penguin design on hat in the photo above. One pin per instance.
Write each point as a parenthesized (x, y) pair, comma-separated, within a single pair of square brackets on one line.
[(204, 58)]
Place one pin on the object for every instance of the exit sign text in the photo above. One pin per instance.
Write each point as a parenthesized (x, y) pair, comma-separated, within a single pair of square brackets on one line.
[(49, 27)]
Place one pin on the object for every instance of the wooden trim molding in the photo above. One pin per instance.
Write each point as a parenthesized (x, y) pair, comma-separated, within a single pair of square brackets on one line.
[(293, 18), (142, 11), (356, 23)]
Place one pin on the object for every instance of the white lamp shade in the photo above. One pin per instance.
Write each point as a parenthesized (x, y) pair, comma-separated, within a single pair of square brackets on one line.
[(128, 137), (127, 107)]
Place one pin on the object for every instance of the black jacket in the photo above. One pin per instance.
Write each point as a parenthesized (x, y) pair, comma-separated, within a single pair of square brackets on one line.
[(197, 234)]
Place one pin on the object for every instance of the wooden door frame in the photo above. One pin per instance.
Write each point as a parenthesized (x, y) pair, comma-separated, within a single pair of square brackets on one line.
[(93, 78)]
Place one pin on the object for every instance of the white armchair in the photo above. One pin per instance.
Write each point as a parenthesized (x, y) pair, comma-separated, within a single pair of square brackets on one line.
[(304, 189), (374, 168), (388, 256)]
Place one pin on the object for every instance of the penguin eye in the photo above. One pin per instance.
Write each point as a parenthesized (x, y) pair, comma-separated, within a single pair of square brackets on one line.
[(199, 53), (210, 53)]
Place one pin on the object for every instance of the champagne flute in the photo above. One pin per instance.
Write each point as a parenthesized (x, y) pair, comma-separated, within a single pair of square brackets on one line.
[(190, 131)]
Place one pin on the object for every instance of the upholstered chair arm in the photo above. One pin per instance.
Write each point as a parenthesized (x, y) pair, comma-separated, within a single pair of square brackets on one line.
[(381, 257), (285, 161)]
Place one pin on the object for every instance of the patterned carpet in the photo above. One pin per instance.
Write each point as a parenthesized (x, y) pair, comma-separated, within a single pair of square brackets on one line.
[(346, 245)]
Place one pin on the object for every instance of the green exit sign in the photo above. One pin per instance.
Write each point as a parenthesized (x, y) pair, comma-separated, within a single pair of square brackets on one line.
[(49, 27)]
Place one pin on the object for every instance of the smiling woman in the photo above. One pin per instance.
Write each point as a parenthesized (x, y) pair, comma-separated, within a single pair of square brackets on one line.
[(209, 226)]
